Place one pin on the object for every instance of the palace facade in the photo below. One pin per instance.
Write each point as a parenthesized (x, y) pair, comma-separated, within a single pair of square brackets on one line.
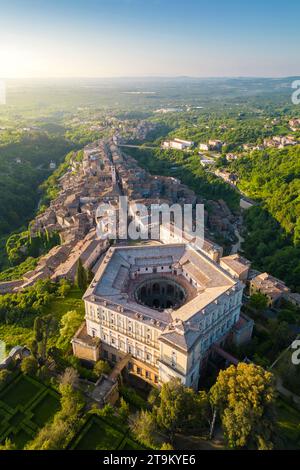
[(161, 306)]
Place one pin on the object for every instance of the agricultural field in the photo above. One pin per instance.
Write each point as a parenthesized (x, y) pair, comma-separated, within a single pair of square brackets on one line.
[(25, 407)]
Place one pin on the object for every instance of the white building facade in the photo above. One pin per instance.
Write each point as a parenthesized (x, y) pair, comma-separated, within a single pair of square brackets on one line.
[(163, 305)]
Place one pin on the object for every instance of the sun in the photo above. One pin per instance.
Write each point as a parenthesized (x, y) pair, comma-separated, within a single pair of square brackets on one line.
[(17, 62)]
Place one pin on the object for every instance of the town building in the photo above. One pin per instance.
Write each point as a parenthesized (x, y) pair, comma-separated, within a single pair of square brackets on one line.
[(274, 289), (231, 157), (294, 124), (203, 146), (215, 145), (178, 144), (293, 298), (207, 161), (280, 141), (236, 265), (242, 330), (211, 145)]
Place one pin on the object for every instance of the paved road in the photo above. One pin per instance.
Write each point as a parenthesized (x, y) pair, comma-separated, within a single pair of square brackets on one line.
[(237, 246)]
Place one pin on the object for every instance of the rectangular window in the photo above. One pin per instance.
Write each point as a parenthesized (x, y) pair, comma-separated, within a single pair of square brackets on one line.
[(139, 370), (173, 359), (113, 358), (148, 376), (148, 357), (105, 354)]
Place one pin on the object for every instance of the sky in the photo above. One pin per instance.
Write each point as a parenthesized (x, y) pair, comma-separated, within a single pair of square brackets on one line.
[(113, 38)]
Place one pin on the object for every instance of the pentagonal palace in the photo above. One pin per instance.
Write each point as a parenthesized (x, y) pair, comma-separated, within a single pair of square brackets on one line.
[(162, 306)]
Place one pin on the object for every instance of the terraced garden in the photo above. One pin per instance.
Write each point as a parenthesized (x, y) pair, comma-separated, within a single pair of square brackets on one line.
[(25, 406), (98, 434)]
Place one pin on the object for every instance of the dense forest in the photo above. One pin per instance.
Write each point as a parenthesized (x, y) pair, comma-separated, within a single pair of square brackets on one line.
[(273, 176), (269, 248), (273, 228), (24, 165)]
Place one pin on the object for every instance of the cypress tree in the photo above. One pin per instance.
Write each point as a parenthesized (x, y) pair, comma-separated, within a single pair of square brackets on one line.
[(89, 275), (81, 277)]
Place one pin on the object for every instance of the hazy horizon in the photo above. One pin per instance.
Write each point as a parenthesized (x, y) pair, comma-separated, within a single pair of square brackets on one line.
[(134, 38)]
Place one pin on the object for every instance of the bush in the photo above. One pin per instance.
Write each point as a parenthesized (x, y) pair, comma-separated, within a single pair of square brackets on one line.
[(124, 410), (29, 365), (102, 367), (69, 324), (144, 429), (107, 411), (166, 446), (58, 433), (84, 373), (69, 377), (5, 376), (131, 397)]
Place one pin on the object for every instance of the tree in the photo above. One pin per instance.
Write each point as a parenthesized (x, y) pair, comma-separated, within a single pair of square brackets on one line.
[(43, 328), (102, 367), (144, 428), (37, 328), (166, 446), (44, 374), (258, 301), (89, 275), (69, 323), (181, 409), (64, 288), (33, 346), (153, 397), (289, 372), (29, 365), (57, 434), (107, 411), (244, 397), (124, 410), (280, 334), (69, 377), (8, 445), (81, 277), (4, 376)]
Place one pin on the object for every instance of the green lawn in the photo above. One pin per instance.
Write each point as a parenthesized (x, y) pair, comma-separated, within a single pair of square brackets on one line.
[(14, 335), (58, 307)]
